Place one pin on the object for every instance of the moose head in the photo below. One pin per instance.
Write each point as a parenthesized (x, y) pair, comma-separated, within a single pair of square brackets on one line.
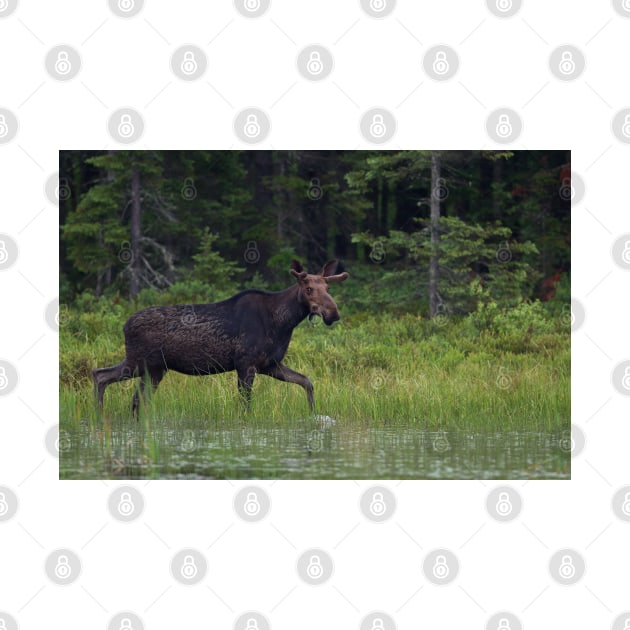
[(314, 289)]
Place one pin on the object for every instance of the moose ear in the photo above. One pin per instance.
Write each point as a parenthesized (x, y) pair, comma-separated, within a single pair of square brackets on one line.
[(330, 268), (340, 277), (297, 270)]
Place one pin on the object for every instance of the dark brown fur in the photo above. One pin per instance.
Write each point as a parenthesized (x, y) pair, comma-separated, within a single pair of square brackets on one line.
[(250, 333)]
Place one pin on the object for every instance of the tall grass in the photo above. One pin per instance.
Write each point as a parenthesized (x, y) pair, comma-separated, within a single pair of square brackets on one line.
[(368, 370)]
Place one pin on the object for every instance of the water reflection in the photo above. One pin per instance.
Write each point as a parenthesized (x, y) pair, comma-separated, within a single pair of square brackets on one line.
[(315, 452)]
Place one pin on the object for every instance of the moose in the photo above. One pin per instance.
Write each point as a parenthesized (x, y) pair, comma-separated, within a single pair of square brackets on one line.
[(249, 332)]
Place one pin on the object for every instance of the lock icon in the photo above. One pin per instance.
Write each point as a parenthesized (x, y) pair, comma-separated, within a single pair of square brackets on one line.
[(126, 128), (377, 254), (252, 505), (125, 624), (4, 128), (126, 5), (625, 506), (189, 568), (504, 5), (504, 127), (62, 190), (625, 255), (567, 568), (567, 191), (377, 624), (504, 505), (567, 65), (314, 191), (314, 64), (4, 506), (377, 126), (189, 192), (62, 65), (625, 381), (62, 568), (252, 127), (440, 568), (252, 624), (252, 255), (4, 381), (252, 5), (314, 569), (440, 64), (503, 624), (625, 129), (189, 64), (377, 504), (126, 506), (4, 254), (378, 5)]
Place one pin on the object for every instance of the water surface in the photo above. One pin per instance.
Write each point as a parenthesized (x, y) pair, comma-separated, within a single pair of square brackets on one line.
[(311, 451)]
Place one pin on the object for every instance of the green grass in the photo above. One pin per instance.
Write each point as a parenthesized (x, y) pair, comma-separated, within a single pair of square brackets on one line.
[(371, 373), (375, 371)]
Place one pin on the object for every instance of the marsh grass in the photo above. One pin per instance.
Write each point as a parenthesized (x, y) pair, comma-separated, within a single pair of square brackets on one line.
[(373, 372)]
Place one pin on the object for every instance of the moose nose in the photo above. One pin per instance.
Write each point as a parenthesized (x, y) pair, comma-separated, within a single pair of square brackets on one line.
[(331, 318)]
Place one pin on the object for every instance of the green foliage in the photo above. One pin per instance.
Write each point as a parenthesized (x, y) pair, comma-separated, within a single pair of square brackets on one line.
[(463, 251), (210, 267)]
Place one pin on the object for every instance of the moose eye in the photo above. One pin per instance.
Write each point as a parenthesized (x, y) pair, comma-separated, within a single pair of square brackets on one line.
[(309, 290)]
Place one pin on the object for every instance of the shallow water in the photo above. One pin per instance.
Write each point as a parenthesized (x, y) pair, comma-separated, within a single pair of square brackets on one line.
[(312, 451)]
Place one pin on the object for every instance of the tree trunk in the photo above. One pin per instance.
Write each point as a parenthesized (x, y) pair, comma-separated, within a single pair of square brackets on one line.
[(497, 178), (435, 235), (136, 233)]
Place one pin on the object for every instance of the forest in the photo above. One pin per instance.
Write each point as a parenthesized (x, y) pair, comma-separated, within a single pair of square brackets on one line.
[(203, 222), (454, 321)]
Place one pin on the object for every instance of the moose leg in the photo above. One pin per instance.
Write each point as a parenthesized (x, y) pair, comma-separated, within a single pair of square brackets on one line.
[(156, 376), (104, 376), (283, 373), (246, 377)]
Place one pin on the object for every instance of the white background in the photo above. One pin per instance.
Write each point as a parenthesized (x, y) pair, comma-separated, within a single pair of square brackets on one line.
[(251, 62)]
